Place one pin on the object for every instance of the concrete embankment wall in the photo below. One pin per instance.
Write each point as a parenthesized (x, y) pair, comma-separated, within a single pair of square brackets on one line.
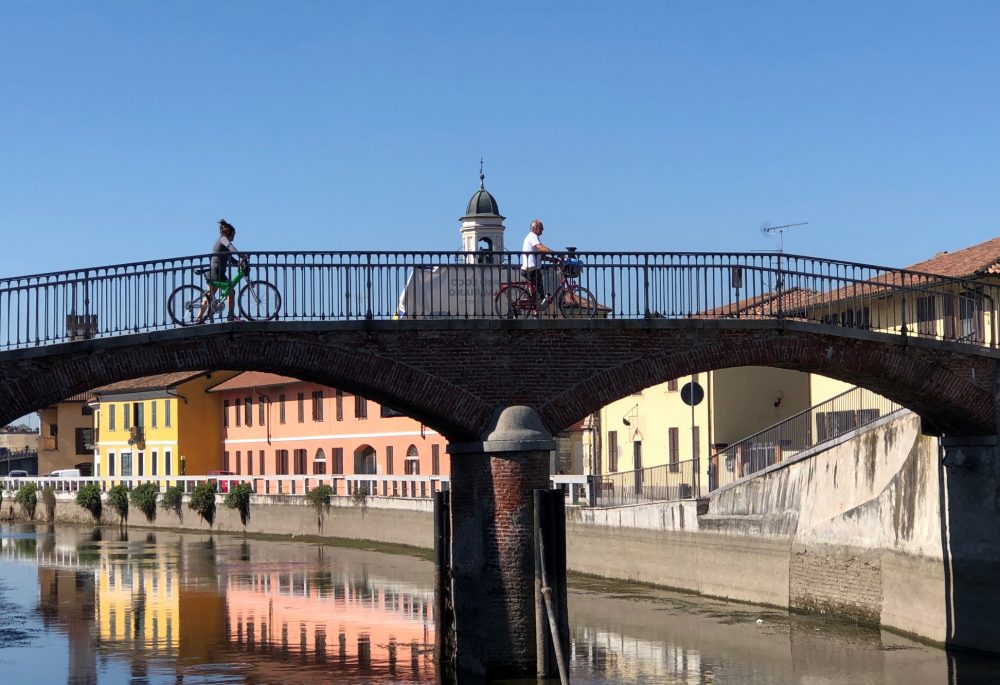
[(398, 522)]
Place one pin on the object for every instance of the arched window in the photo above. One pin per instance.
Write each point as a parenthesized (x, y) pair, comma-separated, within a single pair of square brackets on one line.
[(365, 462), (485, 249), (412, 465), (319, 462)]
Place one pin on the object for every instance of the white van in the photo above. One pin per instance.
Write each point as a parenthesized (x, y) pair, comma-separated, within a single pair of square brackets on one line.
[(65, 473)]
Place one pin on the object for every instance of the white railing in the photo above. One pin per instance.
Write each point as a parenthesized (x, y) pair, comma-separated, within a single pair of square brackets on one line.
[(577, 488)]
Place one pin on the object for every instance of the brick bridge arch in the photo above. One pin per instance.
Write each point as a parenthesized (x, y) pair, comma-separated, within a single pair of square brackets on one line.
[(452, 374)]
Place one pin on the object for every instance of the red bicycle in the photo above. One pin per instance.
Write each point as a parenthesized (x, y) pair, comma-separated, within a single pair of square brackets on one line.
[(519, 300)]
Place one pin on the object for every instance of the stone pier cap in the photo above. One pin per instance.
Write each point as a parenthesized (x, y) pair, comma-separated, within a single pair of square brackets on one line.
[(517, 428)]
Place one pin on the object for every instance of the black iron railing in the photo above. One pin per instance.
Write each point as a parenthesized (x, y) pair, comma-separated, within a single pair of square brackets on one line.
[(340, 286), (849, 411)]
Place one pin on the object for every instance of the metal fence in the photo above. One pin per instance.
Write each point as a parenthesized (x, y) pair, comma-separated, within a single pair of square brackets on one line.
[(652, 484), (341, 286), (822, 423)]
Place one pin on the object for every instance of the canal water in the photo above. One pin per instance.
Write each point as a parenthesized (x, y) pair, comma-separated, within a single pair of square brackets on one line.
[(86, 606)]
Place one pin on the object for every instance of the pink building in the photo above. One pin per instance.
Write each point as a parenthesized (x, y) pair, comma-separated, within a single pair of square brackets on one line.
[(275, 425)]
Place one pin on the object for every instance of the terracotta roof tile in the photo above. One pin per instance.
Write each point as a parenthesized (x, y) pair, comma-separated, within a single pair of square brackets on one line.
[(253, 379), (977, 259), (157, 382)]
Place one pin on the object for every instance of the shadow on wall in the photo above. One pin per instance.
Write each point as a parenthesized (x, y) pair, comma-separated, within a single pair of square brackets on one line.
[(969, 474)]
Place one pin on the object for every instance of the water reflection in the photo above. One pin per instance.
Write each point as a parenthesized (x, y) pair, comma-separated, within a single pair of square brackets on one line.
[(102, 606)]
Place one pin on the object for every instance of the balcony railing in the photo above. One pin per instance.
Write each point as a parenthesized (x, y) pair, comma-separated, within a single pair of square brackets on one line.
[(341, 286)]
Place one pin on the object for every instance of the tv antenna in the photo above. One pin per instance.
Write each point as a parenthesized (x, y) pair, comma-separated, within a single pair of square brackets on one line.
[(767, 229)]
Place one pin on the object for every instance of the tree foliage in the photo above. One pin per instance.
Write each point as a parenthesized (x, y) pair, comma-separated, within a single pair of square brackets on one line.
[(27, 497), (118, 499), (173, 496), (203, 502), (89, 497), (49, 502), (238, 498), (143, 498)]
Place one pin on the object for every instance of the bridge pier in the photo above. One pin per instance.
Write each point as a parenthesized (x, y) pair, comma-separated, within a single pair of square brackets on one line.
[(493, 582)]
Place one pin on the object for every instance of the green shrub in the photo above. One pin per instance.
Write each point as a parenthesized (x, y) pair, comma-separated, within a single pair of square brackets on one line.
[(203, 501), (27, 497), (319, 497), (143, 498), (359, 498), (173, 496), (89, 497), (49, 502), (238, 498), (118, 499)]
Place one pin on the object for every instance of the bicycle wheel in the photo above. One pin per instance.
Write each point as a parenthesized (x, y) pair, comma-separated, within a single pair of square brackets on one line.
[(188, 305), (259, 301), (576, 302), (513, 302)]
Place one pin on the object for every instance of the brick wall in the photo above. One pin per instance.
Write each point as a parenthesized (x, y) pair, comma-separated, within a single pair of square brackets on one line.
[(836, 581), (451, 374)]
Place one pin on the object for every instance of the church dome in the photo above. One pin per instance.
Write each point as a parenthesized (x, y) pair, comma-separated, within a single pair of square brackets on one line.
[(482, 204)]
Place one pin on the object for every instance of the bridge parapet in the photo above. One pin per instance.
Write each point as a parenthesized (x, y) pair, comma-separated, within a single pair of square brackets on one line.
[(133, 298)]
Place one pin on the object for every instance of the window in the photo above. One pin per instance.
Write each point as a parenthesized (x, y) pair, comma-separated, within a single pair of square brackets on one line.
[(365, 461), (248, 411), (154, 465), (340, 405), (126, 464), (388, 412), (239, 461), (674, 448), (261, 419), (126, 416), (637, 454), (281, 408), (237, 413), (963, 317), (225, 413), (389, 466), (319, 462), (302, 407), (83, 436), (141, 461), (167, 464), (260, 462), (225, 460), (411, 467), (360, 407), (281, 462), (111, 463), (152, 414), (111, 417), (926, 321), (435, 460), (166, 413), (317, 405), (249, 462), (612, 451), (338, 460), (300, 462), (672, 385)]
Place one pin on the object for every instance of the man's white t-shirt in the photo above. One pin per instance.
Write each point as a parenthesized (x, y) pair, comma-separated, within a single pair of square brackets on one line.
[(529, 261)]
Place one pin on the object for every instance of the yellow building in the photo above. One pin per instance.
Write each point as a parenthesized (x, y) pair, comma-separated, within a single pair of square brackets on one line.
[(159, 425)]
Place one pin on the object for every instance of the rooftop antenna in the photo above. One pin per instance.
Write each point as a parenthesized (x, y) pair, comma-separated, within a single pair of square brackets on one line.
[(766, 228), (482, 177)]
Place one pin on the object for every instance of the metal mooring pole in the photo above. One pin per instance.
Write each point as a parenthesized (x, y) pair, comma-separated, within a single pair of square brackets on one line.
[(444, 652)]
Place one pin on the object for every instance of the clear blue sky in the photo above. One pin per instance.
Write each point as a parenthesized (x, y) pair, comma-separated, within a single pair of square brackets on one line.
[(130, 128)]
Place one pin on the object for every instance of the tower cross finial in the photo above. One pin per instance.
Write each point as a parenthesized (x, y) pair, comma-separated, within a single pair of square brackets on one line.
[(482, 177)]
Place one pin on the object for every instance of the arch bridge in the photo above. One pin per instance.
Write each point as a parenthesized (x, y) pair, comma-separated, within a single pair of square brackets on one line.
[(431, 335)]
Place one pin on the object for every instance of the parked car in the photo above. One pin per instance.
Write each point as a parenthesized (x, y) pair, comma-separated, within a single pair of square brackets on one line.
[(222, 484), (17, 473)]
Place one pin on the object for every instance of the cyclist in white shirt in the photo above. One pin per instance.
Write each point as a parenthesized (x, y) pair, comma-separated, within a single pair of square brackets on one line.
[(531, 263)]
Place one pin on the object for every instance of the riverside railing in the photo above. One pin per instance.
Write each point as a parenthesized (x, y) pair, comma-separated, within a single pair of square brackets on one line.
[(341, 286), (851, 410), (822, 423)]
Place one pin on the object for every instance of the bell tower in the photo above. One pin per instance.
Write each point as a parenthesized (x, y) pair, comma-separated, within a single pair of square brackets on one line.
[(482, 226)]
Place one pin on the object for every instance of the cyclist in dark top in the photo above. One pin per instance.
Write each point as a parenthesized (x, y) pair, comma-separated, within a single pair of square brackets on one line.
[(223, 254)]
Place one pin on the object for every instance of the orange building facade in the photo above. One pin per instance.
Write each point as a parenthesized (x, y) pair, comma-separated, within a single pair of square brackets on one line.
[(276, 425)]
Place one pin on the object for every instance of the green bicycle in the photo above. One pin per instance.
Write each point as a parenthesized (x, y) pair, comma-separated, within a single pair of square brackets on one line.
[(257, 300)]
